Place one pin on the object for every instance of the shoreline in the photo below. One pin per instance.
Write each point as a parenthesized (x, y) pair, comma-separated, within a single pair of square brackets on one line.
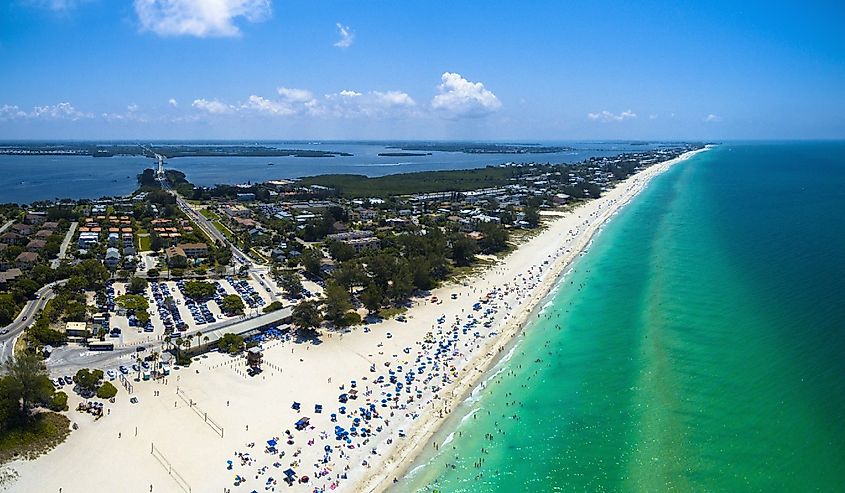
[(446, 348), (401, 460)]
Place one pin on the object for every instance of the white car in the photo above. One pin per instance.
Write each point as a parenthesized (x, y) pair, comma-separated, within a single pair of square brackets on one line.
[(111, 374)]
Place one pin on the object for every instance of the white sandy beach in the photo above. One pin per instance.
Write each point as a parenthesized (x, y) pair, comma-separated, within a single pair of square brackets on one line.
[(437, 356)]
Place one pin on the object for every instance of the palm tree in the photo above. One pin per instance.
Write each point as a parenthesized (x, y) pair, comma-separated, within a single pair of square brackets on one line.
[(205, 339), (179, 343)]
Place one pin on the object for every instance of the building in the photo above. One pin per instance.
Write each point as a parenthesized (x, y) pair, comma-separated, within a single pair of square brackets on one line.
[(246, 197), (35, 217), (112, 257), (21, 229), (10, 275), (254, 357), (194, 250), (26, 260), (176, 256), (360, 244), (87, 239), (36, 245), (76, 329), (11, 238)]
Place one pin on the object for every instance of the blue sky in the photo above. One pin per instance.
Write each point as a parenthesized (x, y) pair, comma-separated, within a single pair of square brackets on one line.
[(319, 69)]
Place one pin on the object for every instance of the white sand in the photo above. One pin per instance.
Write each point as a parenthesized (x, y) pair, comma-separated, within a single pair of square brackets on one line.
[(95, 459)]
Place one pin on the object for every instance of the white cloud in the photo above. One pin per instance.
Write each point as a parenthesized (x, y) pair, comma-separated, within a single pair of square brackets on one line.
[(132, 108), (213, 106), (460, 97), (652, 116), (346, 36), (172, 102), (711, 118), (11, 112), (264, 105), (293, 95), (606, 116), (61, 111), (394, 98), (373, 104), (200, 18)]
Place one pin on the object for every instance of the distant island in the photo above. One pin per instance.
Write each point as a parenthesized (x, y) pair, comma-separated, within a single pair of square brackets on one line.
[(168, 151), (403, 154), (479, 148)]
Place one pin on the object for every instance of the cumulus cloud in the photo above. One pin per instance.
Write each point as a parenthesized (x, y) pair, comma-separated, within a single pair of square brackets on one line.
[(60, 111), (606, 116), (293, 95), (461, 98), (200, 18), (711, 118), (172, 102), (213, 106), (264, 105), (11, 112), (373, 104), (346, 36)]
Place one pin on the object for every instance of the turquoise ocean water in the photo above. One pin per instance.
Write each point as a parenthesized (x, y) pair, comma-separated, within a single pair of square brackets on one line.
[(698, 346)]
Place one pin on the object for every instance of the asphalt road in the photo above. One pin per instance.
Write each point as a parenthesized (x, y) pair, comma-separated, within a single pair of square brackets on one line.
[(65, 244), (24, 319)]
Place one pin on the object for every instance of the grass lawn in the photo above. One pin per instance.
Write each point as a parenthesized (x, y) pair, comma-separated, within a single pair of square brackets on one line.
[(42, 435), (392, 311), (223, 229), (208, 214), (145, 243)]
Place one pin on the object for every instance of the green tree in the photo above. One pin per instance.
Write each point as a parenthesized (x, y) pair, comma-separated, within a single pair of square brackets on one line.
[(463, 249), (291, 283), (306, 315), (494, 240), (8, 309), (232, 304), (341, 251), (336, 303), (58, 402), (230, 343), (106, 391), (310, 259), (136, 285), (25, 386), (199, 290), (532, 216), (88, 381), (349, 275), (372, 297), (273, 307)]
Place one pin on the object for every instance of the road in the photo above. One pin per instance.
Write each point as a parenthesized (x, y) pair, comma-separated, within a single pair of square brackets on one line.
[(6, 226), (65, 244), (24, 319)]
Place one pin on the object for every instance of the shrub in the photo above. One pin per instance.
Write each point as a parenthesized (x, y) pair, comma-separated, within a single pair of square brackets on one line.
[(59, 402), (106, 391)]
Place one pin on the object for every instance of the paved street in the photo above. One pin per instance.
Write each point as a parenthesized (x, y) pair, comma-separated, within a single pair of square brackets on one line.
[(63, 249), (24, 319)]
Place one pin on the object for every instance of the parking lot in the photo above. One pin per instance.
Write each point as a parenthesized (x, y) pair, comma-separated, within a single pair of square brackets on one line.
[(173, 312)]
